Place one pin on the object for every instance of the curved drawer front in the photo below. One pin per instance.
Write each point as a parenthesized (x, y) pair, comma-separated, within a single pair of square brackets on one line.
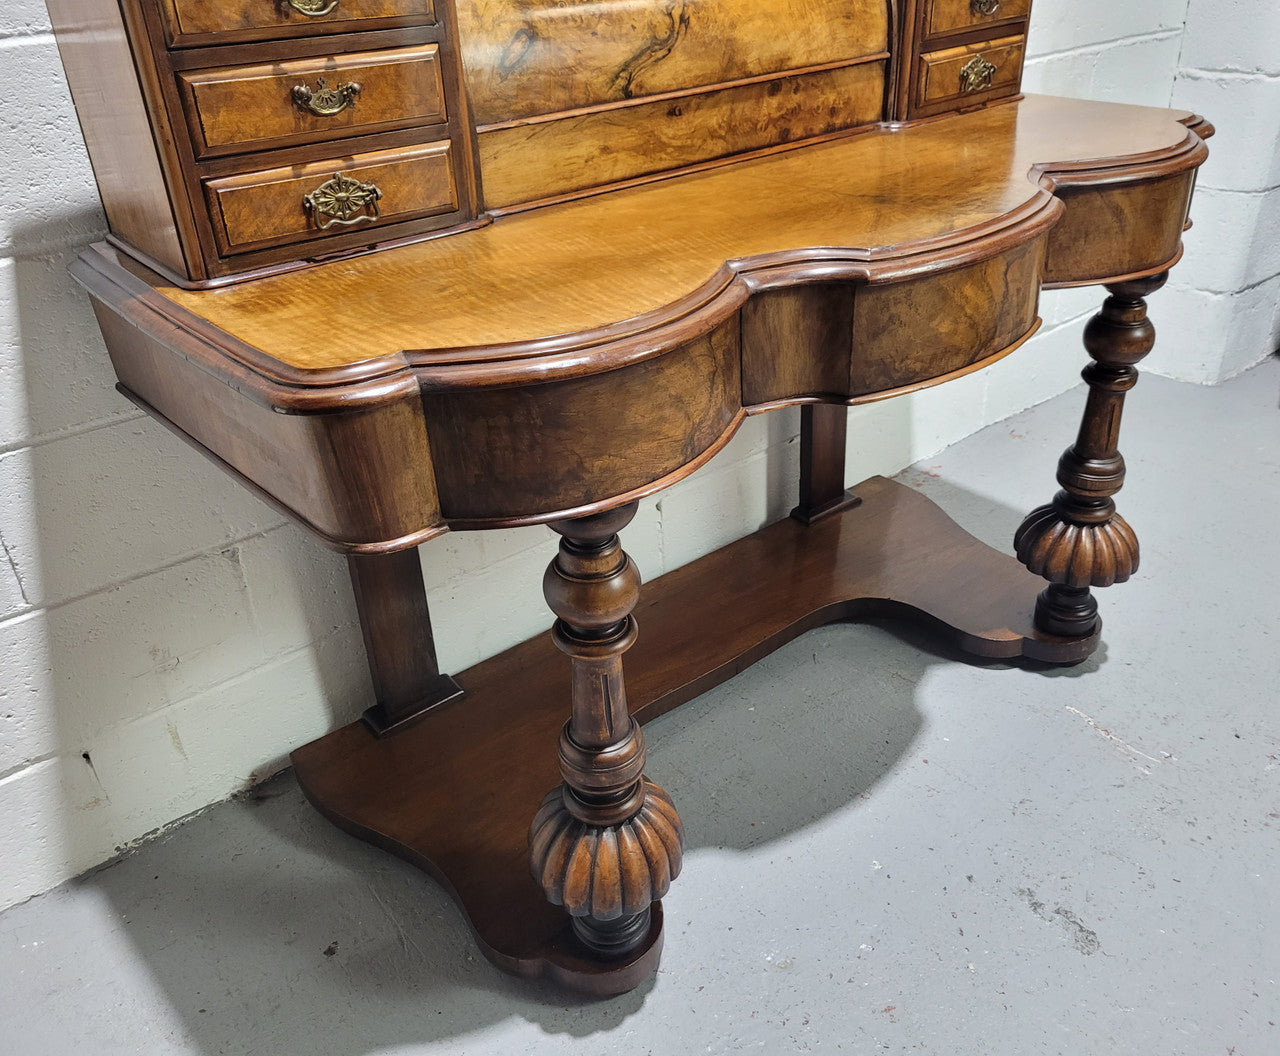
[(851, 340), (531, 450), (266, 19), (949, 16), (243, 108), (1113, 230), (256, 210)]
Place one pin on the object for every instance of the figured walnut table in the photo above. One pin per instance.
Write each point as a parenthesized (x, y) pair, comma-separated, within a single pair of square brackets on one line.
[(559, 365)]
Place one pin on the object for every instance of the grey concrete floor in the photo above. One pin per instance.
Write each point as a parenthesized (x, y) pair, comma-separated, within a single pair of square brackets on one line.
[(890, 850)]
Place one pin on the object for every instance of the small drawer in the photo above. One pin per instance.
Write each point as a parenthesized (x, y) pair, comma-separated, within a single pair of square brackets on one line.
[(948, 16), (975, 71), (262, 19), (257, 210), (242, 108)]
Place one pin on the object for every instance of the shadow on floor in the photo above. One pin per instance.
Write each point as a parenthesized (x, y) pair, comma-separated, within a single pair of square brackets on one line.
[(262, 921)]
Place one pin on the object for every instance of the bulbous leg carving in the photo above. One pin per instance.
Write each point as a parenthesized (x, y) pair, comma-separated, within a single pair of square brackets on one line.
[(607, 843), (1078, 541)]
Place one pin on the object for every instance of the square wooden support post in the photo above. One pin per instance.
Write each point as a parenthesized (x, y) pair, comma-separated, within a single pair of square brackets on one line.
[(396, 622)]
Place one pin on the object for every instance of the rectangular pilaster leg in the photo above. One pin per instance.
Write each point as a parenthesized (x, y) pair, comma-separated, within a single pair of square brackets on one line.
[(392, 601), (822, 438)]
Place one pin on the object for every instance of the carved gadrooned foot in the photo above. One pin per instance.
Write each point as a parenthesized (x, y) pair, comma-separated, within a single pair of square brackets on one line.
[(607, 878), (1053, 545), (1078, 541), (607, 843)]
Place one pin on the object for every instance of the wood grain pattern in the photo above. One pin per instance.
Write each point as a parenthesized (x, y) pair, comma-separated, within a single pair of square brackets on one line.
[(240, 108), (527, 285), (147, 138), (358, 480), (948, 16), (797, 341), (507, 420), (842, 342), (205, 17), (258, 209), (114, 118), (395, 622), (505, 449), (910, 331), (527, 57), (940, 80), (525, 162), (444, 795), (1078, 540), (1111, 231)]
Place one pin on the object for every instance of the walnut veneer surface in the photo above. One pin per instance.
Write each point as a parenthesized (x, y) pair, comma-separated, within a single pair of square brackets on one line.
[(873, 202), (693, 212)]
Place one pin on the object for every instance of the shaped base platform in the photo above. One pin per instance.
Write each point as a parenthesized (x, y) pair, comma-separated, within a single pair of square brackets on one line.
[(454, 793)]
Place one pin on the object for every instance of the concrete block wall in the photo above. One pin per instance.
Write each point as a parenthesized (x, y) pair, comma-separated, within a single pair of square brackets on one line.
[(165, 638), (1226, 303)]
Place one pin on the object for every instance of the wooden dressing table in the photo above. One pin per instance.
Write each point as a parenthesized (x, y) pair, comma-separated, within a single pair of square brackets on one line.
[(407, 267)]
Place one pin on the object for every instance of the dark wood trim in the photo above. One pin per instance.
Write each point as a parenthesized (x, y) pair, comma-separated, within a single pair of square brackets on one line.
[(331, 542), (823, 428), (396, 623), (467, 823)]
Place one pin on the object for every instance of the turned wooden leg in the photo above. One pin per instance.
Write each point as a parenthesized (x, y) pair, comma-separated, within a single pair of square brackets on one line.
[(607, 843), (1078, 540), (822, 435), (395, 620)]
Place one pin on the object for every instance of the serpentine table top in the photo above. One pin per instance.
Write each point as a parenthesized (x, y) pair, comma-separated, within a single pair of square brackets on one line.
[(558, 363), (571, 288)]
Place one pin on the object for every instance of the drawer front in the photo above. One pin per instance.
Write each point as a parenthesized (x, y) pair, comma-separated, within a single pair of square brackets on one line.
[(947, 16), (199, 17), (975, 71), (257, 210), (254, 107)]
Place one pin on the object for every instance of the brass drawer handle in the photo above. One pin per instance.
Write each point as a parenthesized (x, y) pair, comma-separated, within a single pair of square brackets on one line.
[(316, 8), (324, 101), (976, 74), (984, 7), (339, 202)]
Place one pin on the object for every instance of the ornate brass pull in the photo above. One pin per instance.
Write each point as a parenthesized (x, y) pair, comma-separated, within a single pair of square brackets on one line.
[(976, 74), (339, 202), (984, 7), (314, 8), (324, 101)]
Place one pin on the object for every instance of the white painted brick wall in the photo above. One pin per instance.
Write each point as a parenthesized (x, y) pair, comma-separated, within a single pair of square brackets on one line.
[(1225, 303), (159, 619)]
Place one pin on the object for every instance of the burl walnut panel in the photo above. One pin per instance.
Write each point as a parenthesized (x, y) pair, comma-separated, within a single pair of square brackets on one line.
[(950, 16), (239, 108), (908, 332), (533, 161), (255, 19), (522, 450), (797, 341), (527, 57), (844, 340), (1117, 230)]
